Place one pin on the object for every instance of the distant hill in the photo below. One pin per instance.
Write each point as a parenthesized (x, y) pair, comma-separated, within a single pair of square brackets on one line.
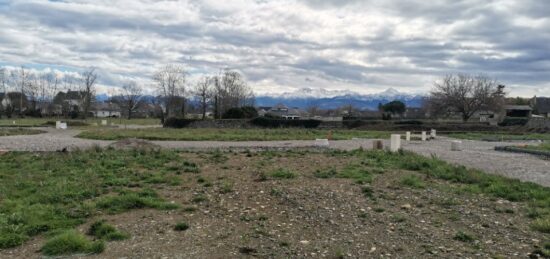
[(325, 99)]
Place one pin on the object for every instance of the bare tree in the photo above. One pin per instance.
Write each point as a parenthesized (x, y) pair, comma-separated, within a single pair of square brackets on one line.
[(203, 90), (170, 85), (87, 89), (230, 91), (466, 95), (21, 81), (131, 98)]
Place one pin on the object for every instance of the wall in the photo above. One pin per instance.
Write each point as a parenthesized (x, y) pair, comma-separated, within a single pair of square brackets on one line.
[(539, 123)]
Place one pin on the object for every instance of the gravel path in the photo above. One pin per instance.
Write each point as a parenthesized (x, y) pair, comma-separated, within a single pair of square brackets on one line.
[(481, 155), (476, 154)]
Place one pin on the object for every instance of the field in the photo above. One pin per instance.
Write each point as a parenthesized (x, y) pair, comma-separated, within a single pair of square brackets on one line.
[(114, 203), (18, 131), (37, 122), (228, 134), (500, 136)]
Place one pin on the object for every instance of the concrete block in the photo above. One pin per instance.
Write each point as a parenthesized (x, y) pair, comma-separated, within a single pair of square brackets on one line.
[(433, 133), (104, 122), (322, 143), (57, 123), (408, 136), (62, 125), (456, 145), (424, 137), (395, 142)]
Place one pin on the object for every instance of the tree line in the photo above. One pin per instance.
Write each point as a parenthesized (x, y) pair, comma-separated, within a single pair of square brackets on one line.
[(24, 92)]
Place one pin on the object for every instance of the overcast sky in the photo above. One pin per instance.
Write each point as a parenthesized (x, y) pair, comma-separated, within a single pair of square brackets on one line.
[(281, 45)]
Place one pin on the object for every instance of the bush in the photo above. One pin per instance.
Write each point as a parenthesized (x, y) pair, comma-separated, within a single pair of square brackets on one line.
[(177, 123), (245, 112), (181, 226), (409, 122), (280, 123), (71, 242), (102, 230), (510, 121)]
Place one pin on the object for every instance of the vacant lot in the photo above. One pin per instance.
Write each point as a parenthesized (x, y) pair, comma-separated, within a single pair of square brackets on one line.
[(228, 134), (18, 131), (268, 204), (500, 136)]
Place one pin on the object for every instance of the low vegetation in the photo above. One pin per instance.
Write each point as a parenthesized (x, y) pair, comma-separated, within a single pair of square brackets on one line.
[(53, 193), (71, 242), (228, 134), (500, 136), (37, 122), (18, 131)]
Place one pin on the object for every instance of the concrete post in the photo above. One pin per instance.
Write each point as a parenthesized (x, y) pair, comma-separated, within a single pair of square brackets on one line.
[(408, 136), (57, 124), (104, 122), (322, 143), (433, 134), (395, 142), (424, 136)]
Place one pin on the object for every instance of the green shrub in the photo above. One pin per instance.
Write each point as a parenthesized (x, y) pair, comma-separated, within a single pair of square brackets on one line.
[(413, 181), (541, 225), (463, 237), (283, 174), (245, 112), (132, 200), (280, 123), (71, 242), (181, 226), (102, 230), (177, 123)]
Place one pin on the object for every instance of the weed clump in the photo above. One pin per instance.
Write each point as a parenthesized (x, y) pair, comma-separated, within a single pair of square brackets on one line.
[(283, 174), (102, 230), (413, 181), (181, 226), (71, 242), (464, 237)]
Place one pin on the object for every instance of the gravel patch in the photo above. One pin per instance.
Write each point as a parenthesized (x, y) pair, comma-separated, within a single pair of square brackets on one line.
[(483, 156)]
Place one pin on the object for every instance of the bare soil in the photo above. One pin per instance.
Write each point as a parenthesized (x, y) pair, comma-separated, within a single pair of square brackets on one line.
[(245, 213)]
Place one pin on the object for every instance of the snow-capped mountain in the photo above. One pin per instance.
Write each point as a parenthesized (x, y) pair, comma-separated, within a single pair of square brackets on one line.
[(327, 99)]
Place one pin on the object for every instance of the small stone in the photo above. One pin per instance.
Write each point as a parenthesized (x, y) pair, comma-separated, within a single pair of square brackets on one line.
[(304, 242), (372, 249), (406, 206)]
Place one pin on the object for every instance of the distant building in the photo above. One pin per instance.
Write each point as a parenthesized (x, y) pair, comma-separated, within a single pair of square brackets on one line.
[(106, 110), (541, 106), (281, 110), (518, 111)]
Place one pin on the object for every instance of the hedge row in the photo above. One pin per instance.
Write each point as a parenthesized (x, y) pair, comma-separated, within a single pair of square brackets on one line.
[(177, 123), (280, 123)]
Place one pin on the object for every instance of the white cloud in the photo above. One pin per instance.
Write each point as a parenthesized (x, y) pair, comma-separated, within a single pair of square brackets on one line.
[(360, 45)]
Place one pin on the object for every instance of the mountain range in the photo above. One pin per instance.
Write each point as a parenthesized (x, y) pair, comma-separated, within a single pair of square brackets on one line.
[(327, 99)]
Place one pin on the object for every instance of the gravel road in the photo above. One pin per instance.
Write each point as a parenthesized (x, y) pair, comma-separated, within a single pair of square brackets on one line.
[(476, 154)]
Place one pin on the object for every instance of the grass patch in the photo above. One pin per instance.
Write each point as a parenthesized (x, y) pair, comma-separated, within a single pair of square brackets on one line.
[(227, 134), (102, 230), (283, 174), (500, 136), (464, 237), (413, 181), (18, 131), (53, 191), (541, 225), (71, 242), (133, 200), (181, 226)]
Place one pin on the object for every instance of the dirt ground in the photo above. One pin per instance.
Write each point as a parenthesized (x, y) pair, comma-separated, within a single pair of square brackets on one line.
[(246, 213)]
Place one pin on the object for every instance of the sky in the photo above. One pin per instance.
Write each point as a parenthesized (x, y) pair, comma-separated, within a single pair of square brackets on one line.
[(365, 46)]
